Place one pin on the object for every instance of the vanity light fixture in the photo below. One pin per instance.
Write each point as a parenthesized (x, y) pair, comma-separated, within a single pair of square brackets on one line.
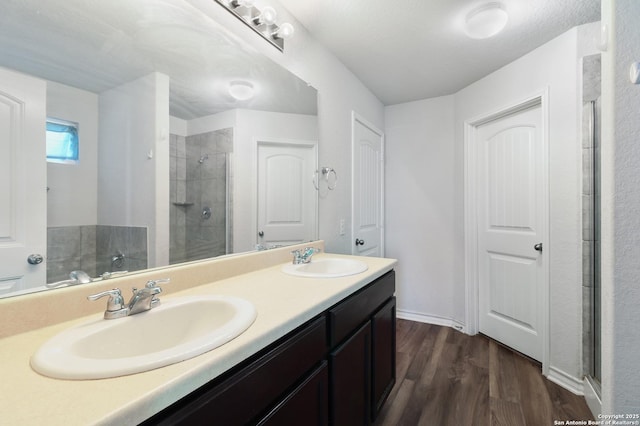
[(486, 21), (262, 21), (267, 17), (241, 90)]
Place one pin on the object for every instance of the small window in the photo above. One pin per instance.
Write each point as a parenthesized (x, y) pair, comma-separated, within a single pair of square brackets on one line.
[(62, 141)]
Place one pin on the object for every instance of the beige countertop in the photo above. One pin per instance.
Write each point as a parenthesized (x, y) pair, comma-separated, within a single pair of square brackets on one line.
[(283, 302)]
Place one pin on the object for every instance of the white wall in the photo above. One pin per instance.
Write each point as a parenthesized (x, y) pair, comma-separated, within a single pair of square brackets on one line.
[(425, 193), (72, 199), (249, 127), (419, 207), (134, 160), (620, 204), (552, 66), (339, 92), (211, 123)]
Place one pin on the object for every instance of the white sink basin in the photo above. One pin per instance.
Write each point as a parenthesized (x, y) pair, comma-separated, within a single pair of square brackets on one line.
[(331, 267), (178, 329)]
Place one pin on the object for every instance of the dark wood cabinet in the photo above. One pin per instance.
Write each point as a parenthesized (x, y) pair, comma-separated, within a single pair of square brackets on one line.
[(362, 363), (307, 405), (336, 369), (350, 366), (383, 355), (242, 396)]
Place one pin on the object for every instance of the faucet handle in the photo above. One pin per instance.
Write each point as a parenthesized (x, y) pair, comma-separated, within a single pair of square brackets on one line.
[(115, 302), (154, 283)]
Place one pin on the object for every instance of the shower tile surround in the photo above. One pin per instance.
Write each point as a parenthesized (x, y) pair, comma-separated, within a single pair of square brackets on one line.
[(90, 248), (591, 88), (199, 179)]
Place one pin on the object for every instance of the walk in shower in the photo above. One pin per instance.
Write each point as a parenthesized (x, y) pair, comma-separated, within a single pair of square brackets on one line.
[(200, 188), (591, 220)]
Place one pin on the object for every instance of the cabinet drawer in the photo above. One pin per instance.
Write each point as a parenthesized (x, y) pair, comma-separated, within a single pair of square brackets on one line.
[(348, 315), (307, 405), (240, 398)]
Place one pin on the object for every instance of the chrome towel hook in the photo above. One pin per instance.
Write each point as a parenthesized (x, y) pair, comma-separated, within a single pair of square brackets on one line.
[(326, 171)]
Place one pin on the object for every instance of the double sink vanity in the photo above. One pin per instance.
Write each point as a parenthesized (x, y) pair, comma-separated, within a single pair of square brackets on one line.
[(250, 338)]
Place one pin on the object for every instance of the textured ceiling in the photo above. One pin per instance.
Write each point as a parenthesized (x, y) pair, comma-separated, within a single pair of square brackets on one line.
[(405, 50), (97, 45)]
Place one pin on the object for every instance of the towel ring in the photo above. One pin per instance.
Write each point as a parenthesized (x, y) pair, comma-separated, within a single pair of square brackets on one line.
[(326, 171)]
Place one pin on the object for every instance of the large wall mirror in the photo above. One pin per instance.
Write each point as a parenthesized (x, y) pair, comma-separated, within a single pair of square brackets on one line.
[(141, 134)]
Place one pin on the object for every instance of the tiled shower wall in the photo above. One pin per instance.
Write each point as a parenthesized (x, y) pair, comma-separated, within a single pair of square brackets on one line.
[(200, 179), (590, 238), (92, 248)]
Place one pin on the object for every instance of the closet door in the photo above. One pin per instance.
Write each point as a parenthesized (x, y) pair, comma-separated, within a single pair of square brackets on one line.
[(23, 182)]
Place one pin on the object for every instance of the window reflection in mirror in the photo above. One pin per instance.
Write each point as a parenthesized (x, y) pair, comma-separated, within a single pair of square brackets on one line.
[(167, 167)]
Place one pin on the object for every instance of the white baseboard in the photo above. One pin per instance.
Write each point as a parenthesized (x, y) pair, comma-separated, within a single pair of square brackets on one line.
[(592, 397), (430, 319), (567, 381)]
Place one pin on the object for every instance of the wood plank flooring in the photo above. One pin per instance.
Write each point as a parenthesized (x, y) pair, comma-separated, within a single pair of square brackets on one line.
[(445, 377)]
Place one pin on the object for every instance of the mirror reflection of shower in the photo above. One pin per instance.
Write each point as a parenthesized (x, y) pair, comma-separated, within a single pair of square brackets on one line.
[(200, 182), (591, 143)]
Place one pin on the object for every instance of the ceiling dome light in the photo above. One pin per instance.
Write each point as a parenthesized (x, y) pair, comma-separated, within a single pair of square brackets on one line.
[(486, 21), (241, 90)]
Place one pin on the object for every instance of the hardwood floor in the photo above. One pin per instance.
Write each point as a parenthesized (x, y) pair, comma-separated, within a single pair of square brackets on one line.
[(445, 377)]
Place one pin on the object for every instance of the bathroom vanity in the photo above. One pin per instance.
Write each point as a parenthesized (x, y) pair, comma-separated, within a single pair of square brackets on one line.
[(338, 366), (321, 350)]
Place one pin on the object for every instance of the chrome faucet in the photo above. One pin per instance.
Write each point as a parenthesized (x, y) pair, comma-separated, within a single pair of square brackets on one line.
[(145, 298), (304, 255), (142, 300)]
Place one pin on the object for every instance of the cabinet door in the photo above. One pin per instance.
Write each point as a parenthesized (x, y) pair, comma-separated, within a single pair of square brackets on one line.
[(383, 354), (350, 380), (244, 395), (307, 405)]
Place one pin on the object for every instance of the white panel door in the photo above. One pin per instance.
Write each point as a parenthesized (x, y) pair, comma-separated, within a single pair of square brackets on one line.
[(367, 189), (23, 181), (287, 199), (510, 221)]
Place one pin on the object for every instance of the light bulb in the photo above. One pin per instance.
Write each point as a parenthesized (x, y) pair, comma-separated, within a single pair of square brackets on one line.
[(267, 16), (285, 31)]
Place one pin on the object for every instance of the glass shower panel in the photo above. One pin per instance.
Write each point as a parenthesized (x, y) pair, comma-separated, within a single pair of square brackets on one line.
[(595, 105), (200, 195)]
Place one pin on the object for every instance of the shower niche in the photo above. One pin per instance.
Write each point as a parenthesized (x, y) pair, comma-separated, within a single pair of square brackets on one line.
[(200, 189)]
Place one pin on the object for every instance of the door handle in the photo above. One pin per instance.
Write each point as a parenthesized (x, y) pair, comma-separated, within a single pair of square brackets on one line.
[(538, 247), (35, 259), (359, 242), (261, 234)]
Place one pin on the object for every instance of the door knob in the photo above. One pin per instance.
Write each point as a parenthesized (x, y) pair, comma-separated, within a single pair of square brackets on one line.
[(538, 247), (35, 259), (359, 242), (261, 234)]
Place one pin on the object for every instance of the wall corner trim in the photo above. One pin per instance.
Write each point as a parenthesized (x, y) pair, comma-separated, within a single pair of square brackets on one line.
[(431, 319), (566, 380)]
